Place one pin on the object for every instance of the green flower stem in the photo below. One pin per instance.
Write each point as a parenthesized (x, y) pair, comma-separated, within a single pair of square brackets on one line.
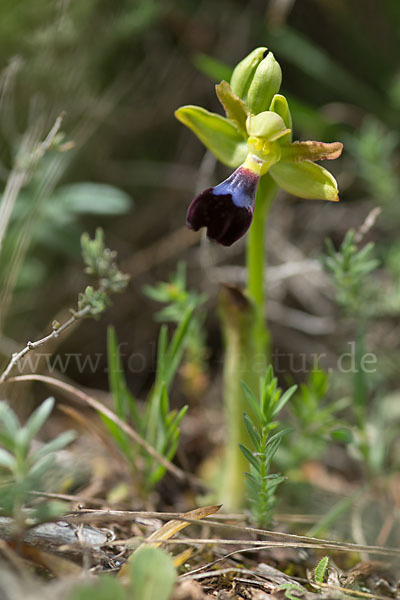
[(238, 318), (256, 262)]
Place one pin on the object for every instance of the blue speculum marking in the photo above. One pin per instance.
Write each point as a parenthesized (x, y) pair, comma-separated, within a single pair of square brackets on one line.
[(241, 185)]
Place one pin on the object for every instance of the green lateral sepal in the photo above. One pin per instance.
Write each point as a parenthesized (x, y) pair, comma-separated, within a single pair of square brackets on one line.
[(305, 180), (217, 133)]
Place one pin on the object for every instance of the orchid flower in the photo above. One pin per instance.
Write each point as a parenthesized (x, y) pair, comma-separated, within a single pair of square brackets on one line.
[(255, 137)]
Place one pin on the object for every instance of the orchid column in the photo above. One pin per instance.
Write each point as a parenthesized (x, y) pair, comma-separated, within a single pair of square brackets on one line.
[(255, 138)]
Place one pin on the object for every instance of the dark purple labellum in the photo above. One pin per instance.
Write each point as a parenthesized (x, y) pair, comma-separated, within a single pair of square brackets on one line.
[(226, 209)]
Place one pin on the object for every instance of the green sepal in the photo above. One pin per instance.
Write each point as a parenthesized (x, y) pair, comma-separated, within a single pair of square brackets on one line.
[(280, 105), (244, 72), (267, 125), (305, 180), (264, 85), (300, 151), (234, 107), (217, 133)]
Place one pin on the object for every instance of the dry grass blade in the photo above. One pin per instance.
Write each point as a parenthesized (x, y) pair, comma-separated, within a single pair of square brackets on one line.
[(182, 557), (99, 407), (173, 527), (259, 545), (290, 539), (350, 592), (169, 529)]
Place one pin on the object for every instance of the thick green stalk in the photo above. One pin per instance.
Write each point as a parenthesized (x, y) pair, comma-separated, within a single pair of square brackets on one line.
[(237, 317), (256, 262)]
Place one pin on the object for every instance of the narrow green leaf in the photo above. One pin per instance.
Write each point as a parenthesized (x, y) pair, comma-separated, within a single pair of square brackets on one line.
[(252, 431), (177, 346), (162, 354), (284, 399), (38, 418), (213, 68), (320, 570), (252, 400), (92, 198), (217, 133), (41, 466), (253, 460), (7, 460), (152, 574), (57, 444), (8, 419), (115, 374)]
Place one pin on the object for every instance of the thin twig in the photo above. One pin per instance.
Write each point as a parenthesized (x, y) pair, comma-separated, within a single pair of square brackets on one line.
[(33, 345), (369, 222), (99, 407)]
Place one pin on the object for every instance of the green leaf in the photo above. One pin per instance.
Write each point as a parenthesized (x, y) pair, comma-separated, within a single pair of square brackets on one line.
[(124, 402), (93, 198), (320, 570), (41, 466), (253, 460), (288, 588), (57, 444), (305, 180), (282, 401), (7, 460), (38, 418), (252, 400), (234, 107), (177, 345), (213, 68), (217, 133), (105, 589), (244, 71), (162, 348), (152, 574), (267, 125), (252, 431), (9, 420), (342, 435)]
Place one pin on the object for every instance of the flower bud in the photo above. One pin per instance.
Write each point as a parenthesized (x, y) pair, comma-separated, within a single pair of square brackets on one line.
[(264, 85), (244, 71)]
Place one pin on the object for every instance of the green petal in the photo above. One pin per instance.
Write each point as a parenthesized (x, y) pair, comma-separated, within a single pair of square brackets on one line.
[(267, 125), (217, 133), (235, 108), (310, 150), (280, 105), (305, 180)]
